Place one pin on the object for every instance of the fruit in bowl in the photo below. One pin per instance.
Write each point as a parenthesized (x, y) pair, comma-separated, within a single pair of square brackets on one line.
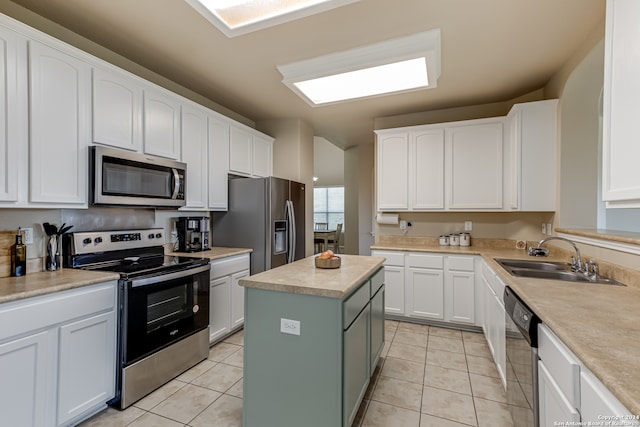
[(327, 259)]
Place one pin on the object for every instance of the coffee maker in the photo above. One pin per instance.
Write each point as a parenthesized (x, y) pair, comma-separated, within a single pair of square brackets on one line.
[(193, 234)]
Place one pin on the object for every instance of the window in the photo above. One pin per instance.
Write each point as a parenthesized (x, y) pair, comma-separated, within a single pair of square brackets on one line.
[(328, 206)]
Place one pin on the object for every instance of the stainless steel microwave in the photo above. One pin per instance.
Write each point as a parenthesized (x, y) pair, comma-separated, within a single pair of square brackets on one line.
[(122, 178)]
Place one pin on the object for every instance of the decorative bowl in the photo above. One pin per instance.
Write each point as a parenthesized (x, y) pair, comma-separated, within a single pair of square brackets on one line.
[(328, 263)]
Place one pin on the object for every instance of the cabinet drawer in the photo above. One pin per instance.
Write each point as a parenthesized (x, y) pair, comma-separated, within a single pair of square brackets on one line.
[(563, 366), (392, 257), (45, 311), (355, 303), (460, 263), (377, 281), (228, 266), (425, 261), (487, 272)]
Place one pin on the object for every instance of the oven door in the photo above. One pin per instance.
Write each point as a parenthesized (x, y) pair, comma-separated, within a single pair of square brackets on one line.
[(162, 309)]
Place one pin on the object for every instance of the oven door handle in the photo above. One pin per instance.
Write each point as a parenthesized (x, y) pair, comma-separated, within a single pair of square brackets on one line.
[(164, 277)]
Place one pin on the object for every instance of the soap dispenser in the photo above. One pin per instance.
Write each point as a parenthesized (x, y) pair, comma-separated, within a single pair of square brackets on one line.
[(19, 256)]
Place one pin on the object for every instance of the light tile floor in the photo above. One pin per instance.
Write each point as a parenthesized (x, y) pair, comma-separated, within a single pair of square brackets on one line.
[(428, 376)]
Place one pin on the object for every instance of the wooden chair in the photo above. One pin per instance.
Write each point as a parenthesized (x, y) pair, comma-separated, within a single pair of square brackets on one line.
[(335, 241), (318, 244), (321, 226)]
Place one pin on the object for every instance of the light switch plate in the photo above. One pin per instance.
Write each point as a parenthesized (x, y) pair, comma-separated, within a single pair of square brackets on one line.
[(288, 326)]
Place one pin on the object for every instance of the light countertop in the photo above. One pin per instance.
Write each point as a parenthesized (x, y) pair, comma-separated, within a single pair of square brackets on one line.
[(600, 324), (302, 277), (47, 282), (215, 252)]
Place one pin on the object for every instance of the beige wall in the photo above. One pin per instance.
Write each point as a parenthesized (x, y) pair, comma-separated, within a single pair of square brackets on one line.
[(359, 177), (328, 163)]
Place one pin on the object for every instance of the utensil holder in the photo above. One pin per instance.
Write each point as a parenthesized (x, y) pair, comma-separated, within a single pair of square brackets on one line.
[(53, 253)]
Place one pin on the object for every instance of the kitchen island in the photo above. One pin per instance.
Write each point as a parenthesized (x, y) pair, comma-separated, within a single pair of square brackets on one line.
[(313, 338)]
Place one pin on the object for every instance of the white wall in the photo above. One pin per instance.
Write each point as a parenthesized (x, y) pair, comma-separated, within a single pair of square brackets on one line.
[(359, 208), (328, 163)]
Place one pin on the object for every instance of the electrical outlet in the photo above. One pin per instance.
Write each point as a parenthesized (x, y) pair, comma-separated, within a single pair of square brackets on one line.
[(28, 236), (468, 226), (403, 225), (549, 228), (288, 326)]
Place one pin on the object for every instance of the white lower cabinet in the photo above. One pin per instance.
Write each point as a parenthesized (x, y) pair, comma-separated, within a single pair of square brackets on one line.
[(460, 286), (494, 321), (226, 296), (424, 286), (553, 405), (57, 356), (598, 404), (394, 281)]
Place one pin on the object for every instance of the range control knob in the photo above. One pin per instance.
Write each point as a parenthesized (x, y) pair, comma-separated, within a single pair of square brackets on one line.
[(151, 236), (86, 241), (158, 235), (98, 240)]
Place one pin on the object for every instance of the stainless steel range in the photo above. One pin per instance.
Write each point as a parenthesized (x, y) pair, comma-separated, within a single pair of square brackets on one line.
[(163, 305)]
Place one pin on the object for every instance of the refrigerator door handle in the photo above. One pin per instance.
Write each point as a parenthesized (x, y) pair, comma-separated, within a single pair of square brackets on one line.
[(291, 219)]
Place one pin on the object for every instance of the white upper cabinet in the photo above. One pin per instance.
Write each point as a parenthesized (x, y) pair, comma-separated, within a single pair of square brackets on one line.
[(474, 165), (451, 166), (262, 156), (530, 149), (426, 169), (194, 154), (9, 117), (250, 152), (392, 171), (60, 105), (218, 170), (161, 123), (117, 110), (620, 177), (240, 154)]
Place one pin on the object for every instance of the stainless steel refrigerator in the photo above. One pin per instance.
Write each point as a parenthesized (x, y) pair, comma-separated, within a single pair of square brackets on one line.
[(266, 215)]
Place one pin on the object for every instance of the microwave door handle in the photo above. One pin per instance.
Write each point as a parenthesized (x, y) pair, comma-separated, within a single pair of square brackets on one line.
[(176, 183)]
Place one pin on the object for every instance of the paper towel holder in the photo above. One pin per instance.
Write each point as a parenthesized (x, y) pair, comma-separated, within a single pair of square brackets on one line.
[(389, 219)]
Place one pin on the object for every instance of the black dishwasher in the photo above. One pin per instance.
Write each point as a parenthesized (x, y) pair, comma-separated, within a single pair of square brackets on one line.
[(522, 360)]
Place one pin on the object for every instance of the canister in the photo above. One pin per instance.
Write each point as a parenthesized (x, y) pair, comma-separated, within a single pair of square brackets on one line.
[(444, 240), (465, 239), (454, 239)]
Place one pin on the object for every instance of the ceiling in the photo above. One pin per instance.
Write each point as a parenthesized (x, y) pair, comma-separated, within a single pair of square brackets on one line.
[(492, 51)]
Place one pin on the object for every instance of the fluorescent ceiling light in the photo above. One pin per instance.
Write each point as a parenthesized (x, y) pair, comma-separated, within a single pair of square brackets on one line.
[(236, 17), (398, 65)]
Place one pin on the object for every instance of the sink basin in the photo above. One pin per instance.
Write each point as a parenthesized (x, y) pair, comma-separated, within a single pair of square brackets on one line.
[(534, 265), (550, 270)]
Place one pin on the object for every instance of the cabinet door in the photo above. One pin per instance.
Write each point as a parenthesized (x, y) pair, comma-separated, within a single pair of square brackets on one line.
[(218, 163), (161, 124), (426, 169), (425, 296), (25, 382), (620, 178), (86, 376), (194, 154), (499, 338), (393, 172), (460, 296), (377, 327), (117, 110), (553, 405), (9, 122), (474, 153), (240, 151), (237, 299), (355, 365), (394, 282), (219, 308), (596, 402), (60, 100), (262, 150), (488, 315)]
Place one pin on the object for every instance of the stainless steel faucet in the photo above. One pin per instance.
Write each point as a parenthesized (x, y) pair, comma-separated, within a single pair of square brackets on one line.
[(576, 261)]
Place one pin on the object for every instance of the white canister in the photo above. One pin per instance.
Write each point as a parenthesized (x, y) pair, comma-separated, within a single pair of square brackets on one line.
[(465, 239), (444, 240), (454, 239)]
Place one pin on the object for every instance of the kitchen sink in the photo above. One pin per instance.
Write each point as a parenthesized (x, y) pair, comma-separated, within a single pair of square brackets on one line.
[(534, 265), (550, 270)]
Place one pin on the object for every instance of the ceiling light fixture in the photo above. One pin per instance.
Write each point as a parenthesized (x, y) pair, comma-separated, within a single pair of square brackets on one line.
[(236, 17), (393, 66)]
